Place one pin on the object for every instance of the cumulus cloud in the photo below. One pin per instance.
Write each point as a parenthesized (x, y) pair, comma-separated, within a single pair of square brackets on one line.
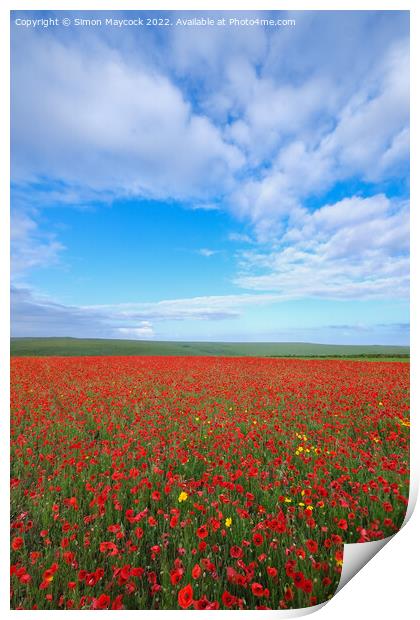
[(144, 330), (84, 115), (255, 122), (208, 113), (356, 248), (316, 135), (30, 247), (372, 130)]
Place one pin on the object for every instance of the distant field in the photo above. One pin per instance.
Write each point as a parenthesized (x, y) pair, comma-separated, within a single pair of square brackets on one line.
[(76, 347)]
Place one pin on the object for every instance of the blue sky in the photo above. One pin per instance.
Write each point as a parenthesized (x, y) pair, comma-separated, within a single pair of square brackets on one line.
[(212, 183)]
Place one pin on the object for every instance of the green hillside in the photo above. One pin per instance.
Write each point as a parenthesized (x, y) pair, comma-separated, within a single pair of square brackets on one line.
[(87, 346)]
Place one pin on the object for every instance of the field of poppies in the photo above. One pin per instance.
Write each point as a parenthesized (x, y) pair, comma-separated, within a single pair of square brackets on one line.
[(199, 482)]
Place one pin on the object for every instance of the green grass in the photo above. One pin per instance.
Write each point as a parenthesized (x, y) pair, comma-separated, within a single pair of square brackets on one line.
[(88, 346)]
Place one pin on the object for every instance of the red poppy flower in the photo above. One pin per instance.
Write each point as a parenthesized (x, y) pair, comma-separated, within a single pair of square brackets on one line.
[(236, 552), (109, 547), (228, 599), (196, 571), (176, 575), (204, 603), (299, 579), (117, 602), (102, 602), (185, 597), (257, 589), (25, 578), (258, 539), (312, 546), (202, 531), (17, 543), (138, 532)]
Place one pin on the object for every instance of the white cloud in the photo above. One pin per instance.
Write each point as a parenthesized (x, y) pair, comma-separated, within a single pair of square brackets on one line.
[(29, 246), (207, 252), (239, 237), (375, 120), (85, 116), (211, 307), (113, 121), (204, 206), (37, 315), (243, 120), (366, 136), (144, 330), (357, 248)]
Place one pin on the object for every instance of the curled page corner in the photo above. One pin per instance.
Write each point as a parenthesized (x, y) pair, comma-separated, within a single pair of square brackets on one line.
[(306, 611), (299, 611), (357, 555)]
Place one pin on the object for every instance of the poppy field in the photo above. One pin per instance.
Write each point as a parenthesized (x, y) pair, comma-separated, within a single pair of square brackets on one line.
[(200, 482)]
